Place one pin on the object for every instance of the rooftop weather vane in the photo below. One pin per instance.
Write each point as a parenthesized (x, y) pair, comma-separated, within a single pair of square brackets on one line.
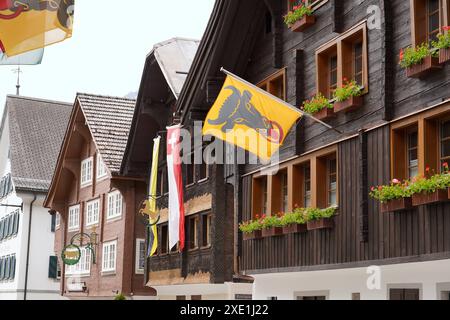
[(18, 71)]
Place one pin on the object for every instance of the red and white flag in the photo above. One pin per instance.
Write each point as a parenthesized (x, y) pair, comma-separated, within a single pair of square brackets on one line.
[(176, 203)]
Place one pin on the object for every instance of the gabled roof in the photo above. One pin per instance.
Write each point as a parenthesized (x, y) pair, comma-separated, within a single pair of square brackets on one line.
[(163, 78), (175, 57), (109, 120), (36, 131)]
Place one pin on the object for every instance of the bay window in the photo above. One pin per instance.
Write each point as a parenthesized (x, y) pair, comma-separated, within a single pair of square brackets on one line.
[(420, 142), (343, 59), (427, 19)]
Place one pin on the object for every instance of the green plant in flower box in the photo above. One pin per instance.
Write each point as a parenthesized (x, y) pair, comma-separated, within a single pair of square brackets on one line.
[(443, 41), (412, 56), (296, 217), (273, 221), (396, 190), (251, 226), (316, 104), (348, 90), (432, 184), (297, 13), (317, 214)]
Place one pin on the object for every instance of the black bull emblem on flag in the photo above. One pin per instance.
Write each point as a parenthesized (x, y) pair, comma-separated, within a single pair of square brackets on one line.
[(64, 8), (238, 110)]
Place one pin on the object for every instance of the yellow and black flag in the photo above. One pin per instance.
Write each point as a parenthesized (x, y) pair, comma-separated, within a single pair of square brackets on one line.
[(26, 25), (248, 117)]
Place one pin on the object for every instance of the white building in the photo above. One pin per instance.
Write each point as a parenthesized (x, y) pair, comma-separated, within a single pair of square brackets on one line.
[(31, 133)]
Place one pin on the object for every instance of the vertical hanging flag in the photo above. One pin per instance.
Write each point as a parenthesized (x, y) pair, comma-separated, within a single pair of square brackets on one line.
[(27, 25), (176, 202), (153, 229)]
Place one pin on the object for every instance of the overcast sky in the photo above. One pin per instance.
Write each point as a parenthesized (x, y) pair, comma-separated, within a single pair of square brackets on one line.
[(107, 52)]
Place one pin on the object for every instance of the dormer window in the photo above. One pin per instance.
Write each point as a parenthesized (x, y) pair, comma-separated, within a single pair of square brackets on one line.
[(102, 170), (86, 171)]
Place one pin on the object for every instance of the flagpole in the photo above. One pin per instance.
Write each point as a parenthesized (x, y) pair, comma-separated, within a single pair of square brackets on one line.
[(279, 100)]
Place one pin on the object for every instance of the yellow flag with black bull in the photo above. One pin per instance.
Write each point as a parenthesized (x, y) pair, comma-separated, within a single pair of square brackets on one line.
[(26, 25), (251, 118)]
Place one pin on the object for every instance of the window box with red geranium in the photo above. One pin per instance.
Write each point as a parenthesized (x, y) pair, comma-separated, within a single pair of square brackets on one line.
[(300, 17), (443, 45), (271, 226), (294, 222), (431, 190), (320, 219), (251, 230), (419, 61), (348, 97), (394, 197), (320, 107)]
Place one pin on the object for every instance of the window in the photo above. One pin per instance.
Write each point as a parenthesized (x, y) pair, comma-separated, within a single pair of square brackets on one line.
[(275, 84), (412, 152), (109, 256), (83, 267), (206, 230), (284, 191), (164, 244), (86, 172), (115, 205), (332, 182), (260, 197), (358, 63), (140, 256), (404, 294), (180, 297), (196, 297), (7, 268), (344, 58), (420, 142), (92, 212), (312, 298), (57, 220), (427, 18), (189, 171), (193, 233), (445, 142), (102, 171), (314, 184), (74, 218), (313, 3), (307, 186)]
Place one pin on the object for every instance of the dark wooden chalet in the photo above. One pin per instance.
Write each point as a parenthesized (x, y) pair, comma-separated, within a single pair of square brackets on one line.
[(401, 128)]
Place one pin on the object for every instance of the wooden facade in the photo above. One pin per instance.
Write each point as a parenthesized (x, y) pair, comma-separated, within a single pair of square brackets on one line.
[(250, 39)]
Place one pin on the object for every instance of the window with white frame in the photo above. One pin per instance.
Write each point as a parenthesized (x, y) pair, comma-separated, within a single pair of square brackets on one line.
[(57, 221), (83, 267), (74, 218), (102, 171), (86, 171), (115, 205), (92, 212), (109, 256), (140, 256)]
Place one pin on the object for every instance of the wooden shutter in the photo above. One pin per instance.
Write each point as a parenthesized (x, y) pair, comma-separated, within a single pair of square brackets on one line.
[(53, 267), (7, 268), (418, 22)]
